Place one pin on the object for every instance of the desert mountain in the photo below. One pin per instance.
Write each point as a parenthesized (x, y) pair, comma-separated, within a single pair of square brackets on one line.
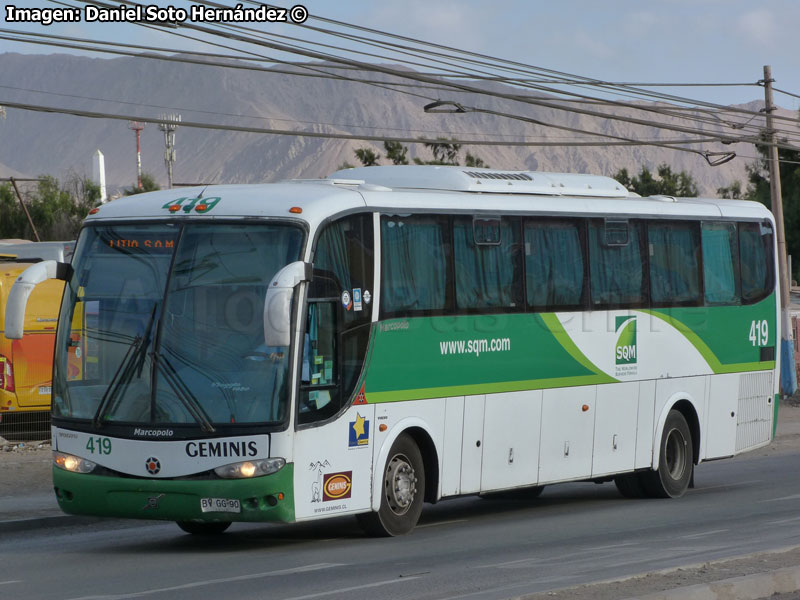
[(36, 143)]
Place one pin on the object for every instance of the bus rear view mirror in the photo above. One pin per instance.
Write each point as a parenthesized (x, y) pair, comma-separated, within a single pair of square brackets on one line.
[(22, 289), (278, 303)]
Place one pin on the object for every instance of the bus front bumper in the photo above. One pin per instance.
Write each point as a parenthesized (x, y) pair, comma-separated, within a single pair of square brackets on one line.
[(267, 498)]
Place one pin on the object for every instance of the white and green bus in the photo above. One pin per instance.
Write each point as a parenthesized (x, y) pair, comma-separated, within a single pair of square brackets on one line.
[(393, 335)]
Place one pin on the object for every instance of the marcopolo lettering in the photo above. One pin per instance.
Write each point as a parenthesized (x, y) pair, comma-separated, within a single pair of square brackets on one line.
[(139, 432), (221, 449)]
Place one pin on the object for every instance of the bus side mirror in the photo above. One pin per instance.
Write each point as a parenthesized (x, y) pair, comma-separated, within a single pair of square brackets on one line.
[(22, 289), (278, 303)]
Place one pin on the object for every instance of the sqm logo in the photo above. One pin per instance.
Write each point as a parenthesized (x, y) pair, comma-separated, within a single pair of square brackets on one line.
[(625, 352)]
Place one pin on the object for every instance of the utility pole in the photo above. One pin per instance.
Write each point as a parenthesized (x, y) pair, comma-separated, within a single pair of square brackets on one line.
[(169, 128), (25, 210), (137, 127), (788, 374)]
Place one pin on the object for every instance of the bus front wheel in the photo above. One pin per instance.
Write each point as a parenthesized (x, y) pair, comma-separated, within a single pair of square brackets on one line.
[(402, 491), (676, 460), (197, 528)]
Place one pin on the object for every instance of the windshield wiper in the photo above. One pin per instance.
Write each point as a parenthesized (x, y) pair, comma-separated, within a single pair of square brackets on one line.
[(123, 372), (133, 359), (184, 394)]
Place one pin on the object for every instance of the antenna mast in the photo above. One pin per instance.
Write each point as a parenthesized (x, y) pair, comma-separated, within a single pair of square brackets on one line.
[(169, 127), (137, 127)]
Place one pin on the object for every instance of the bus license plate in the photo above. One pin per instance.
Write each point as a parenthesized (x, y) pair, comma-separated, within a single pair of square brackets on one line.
[(45, 390), (231, 505)]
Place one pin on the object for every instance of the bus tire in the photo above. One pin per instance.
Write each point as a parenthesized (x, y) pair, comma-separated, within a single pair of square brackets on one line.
[(630, 485), (676, 460), (197, 528), (402, 491)]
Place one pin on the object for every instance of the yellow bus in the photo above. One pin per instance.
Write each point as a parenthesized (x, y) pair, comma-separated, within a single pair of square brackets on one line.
[(26, 365)]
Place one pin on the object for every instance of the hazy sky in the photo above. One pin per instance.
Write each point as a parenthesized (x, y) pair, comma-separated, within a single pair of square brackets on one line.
[(686, 41)]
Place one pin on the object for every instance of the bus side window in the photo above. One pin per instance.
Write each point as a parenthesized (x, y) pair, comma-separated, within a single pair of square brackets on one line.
[(554, 265), (720, 260), (415, 252), (674, 250), (488, 263), (319, 372), (616, 268), (755, 261)]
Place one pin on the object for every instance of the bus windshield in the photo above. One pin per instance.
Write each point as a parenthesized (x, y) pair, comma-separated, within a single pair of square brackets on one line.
[(162, 324)]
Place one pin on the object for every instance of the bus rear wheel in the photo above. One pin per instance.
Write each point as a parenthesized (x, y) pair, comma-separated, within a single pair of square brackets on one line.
[(196, 528), (402, 491), (676, 460)]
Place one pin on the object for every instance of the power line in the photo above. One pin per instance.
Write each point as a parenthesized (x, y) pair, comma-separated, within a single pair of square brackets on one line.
[(460, 87), (333, 135)]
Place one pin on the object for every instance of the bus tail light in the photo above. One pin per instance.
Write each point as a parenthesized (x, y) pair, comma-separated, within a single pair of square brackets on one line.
[(6, 374), (250, 468)]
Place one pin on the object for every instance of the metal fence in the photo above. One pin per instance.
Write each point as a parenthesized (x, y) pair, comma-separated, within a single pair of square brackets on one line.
[(25, 426)]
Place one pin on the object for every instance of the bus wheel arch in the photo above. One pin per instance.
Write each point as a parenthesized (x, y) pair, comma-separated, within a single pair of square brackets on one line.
[(430, 459)]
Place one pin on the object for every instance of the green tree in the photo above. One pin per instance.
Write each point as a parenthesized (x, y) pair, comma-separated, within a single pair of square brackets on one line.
[(368, 157), (444, 152), (56, 209), (396, 152), (758, 189), (667, 183), (12, 219), (732, 192), (148, 185), (473, 161)]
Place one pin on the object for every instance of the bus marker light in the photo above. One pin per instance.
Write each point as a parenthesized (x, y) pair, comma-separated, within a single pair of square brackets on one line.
[(296, 210), (382, 427), (94, 211), (280, 496), (201, 207), (585, 407), (175, 208)]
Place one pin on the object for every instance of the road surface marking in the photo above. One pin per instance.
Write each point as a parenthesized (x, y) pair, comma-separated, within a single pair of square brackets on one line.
[(623, 545), (441, 523), (702, 534), (12, 581), (728, 485), (794, 497), (354, 588), (197, 584), (782, 521)]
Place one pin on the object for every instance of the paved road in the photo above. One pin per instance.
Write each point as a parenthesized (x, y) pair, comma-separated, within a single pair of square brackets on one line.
[(467, 548)]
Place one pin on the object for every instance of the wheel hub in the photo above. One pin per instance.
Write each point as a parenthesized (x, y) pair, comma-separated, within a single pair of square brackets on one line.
[(400, 484), (675, 454)]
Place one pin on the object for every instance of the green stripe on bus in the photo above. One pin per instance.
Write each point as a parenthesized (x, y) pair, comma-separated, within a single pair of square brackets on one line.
[(487, 388), (709, 356), (555, 327)]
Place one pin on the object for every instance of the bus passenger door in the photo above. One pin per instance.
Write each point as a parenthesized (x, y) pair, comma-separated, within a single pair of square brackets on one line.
[(335, 427)]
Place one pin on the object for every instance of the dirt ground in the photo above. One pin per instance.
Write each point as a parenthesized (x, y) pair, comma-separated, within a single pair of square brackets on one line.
[(25, 470)]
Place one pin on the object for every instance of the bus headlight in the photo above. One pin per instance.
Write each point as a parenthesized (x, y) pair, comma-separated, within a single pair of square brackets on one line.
[(68, 462), (250, 468)]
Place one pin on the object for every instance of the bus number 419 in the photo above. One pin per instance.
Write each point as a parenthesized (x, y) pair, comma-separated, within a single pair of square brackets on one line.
[(759, 333)]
